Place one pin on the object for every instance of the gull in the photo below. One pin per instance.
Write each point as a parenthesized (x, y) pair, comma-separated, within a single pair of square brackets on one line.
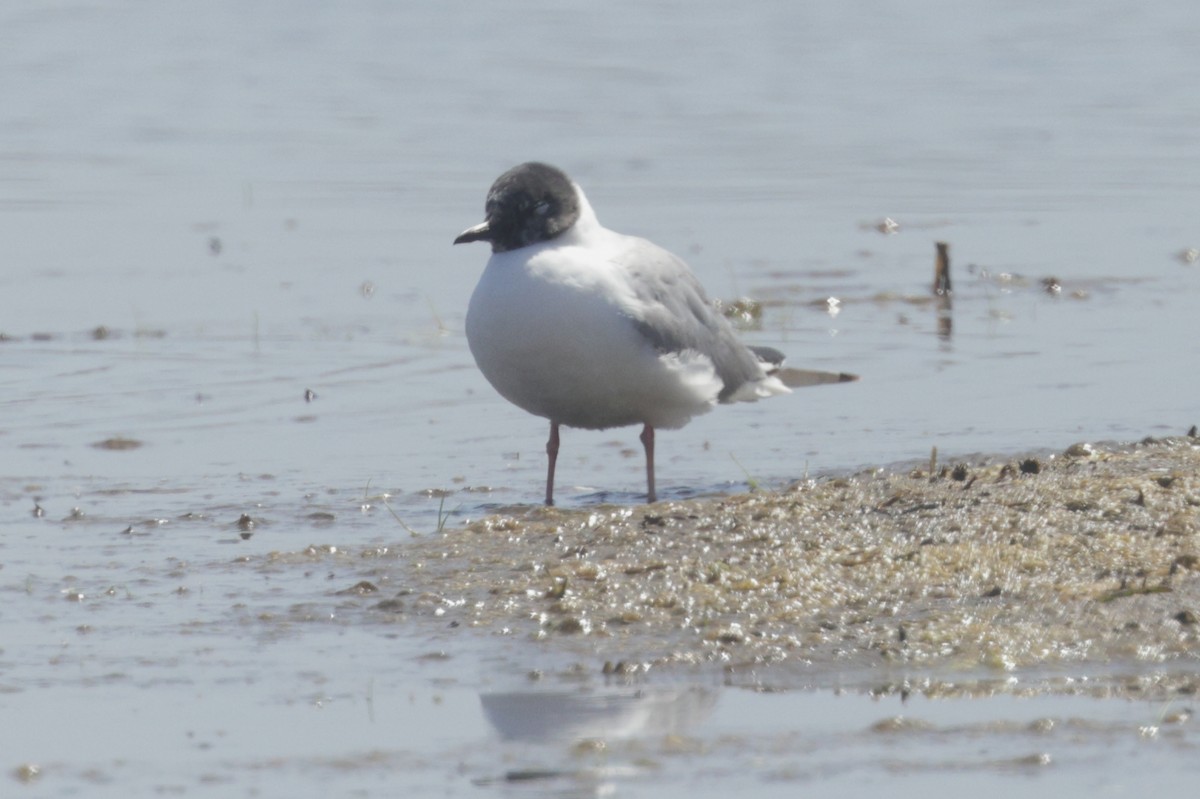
[(594, 329)]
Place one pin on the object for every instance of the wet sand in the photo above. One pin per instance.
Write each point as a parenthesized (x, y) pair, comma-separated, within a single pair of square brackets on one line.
[(1081, 561)]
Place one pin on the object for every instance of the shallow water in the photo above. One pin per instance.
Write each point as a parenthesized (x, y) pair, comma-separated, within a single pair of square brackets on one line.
[(255, 202), (331, 709)]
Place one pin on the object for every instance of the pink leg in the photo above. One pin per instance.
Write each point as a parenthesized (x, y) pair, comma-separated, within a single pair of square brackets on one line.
[(647, 438), (552, 453)]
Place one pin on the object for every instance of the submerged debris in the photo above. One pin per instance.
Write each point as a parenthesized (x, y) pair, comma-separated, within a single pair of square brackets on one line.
[(941, 270), (118, 443)]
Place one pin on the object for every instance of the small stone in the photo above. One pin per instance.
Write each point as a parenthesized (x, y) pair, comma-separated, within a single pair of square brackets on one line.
[(888, 226), (1188, 561), (27, 772), (361, 588), (1181, 523), (574, 626)]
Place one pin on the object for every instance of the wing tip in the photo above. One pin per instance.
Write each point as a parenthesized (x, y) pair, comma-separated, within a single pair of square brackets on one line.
[(802, 378)]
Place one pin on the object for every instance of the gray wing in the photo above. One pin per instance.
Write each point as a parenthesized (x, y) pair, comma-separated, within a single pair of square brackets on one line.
[(678, 316)]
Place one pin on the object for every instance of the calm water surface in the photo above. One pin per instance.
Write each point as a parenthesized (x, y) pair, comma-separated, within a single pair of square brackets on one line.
[(255, 201)]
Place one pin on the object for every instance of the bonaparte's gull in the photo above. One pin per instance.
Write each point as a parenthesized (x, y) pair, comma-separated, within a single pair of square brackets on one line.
[(591, 328)]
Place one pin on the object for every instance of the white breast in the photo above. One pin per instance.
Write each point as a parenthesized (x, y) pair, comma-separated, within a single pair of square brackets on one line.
[(550, 329)]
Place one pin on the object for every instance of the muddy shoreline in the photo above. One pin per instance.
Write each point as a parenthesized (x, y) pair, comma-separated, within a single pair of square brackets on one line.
[(1086, 561)]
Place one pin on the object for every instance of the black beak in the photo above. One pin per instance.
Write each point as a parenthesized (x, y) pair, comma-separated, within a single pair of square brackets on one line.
[(481, 232)]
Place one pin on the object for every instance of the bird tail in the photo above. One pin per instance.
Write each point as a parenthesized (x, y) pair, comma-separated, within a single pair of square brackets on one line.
[(772, 361)]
